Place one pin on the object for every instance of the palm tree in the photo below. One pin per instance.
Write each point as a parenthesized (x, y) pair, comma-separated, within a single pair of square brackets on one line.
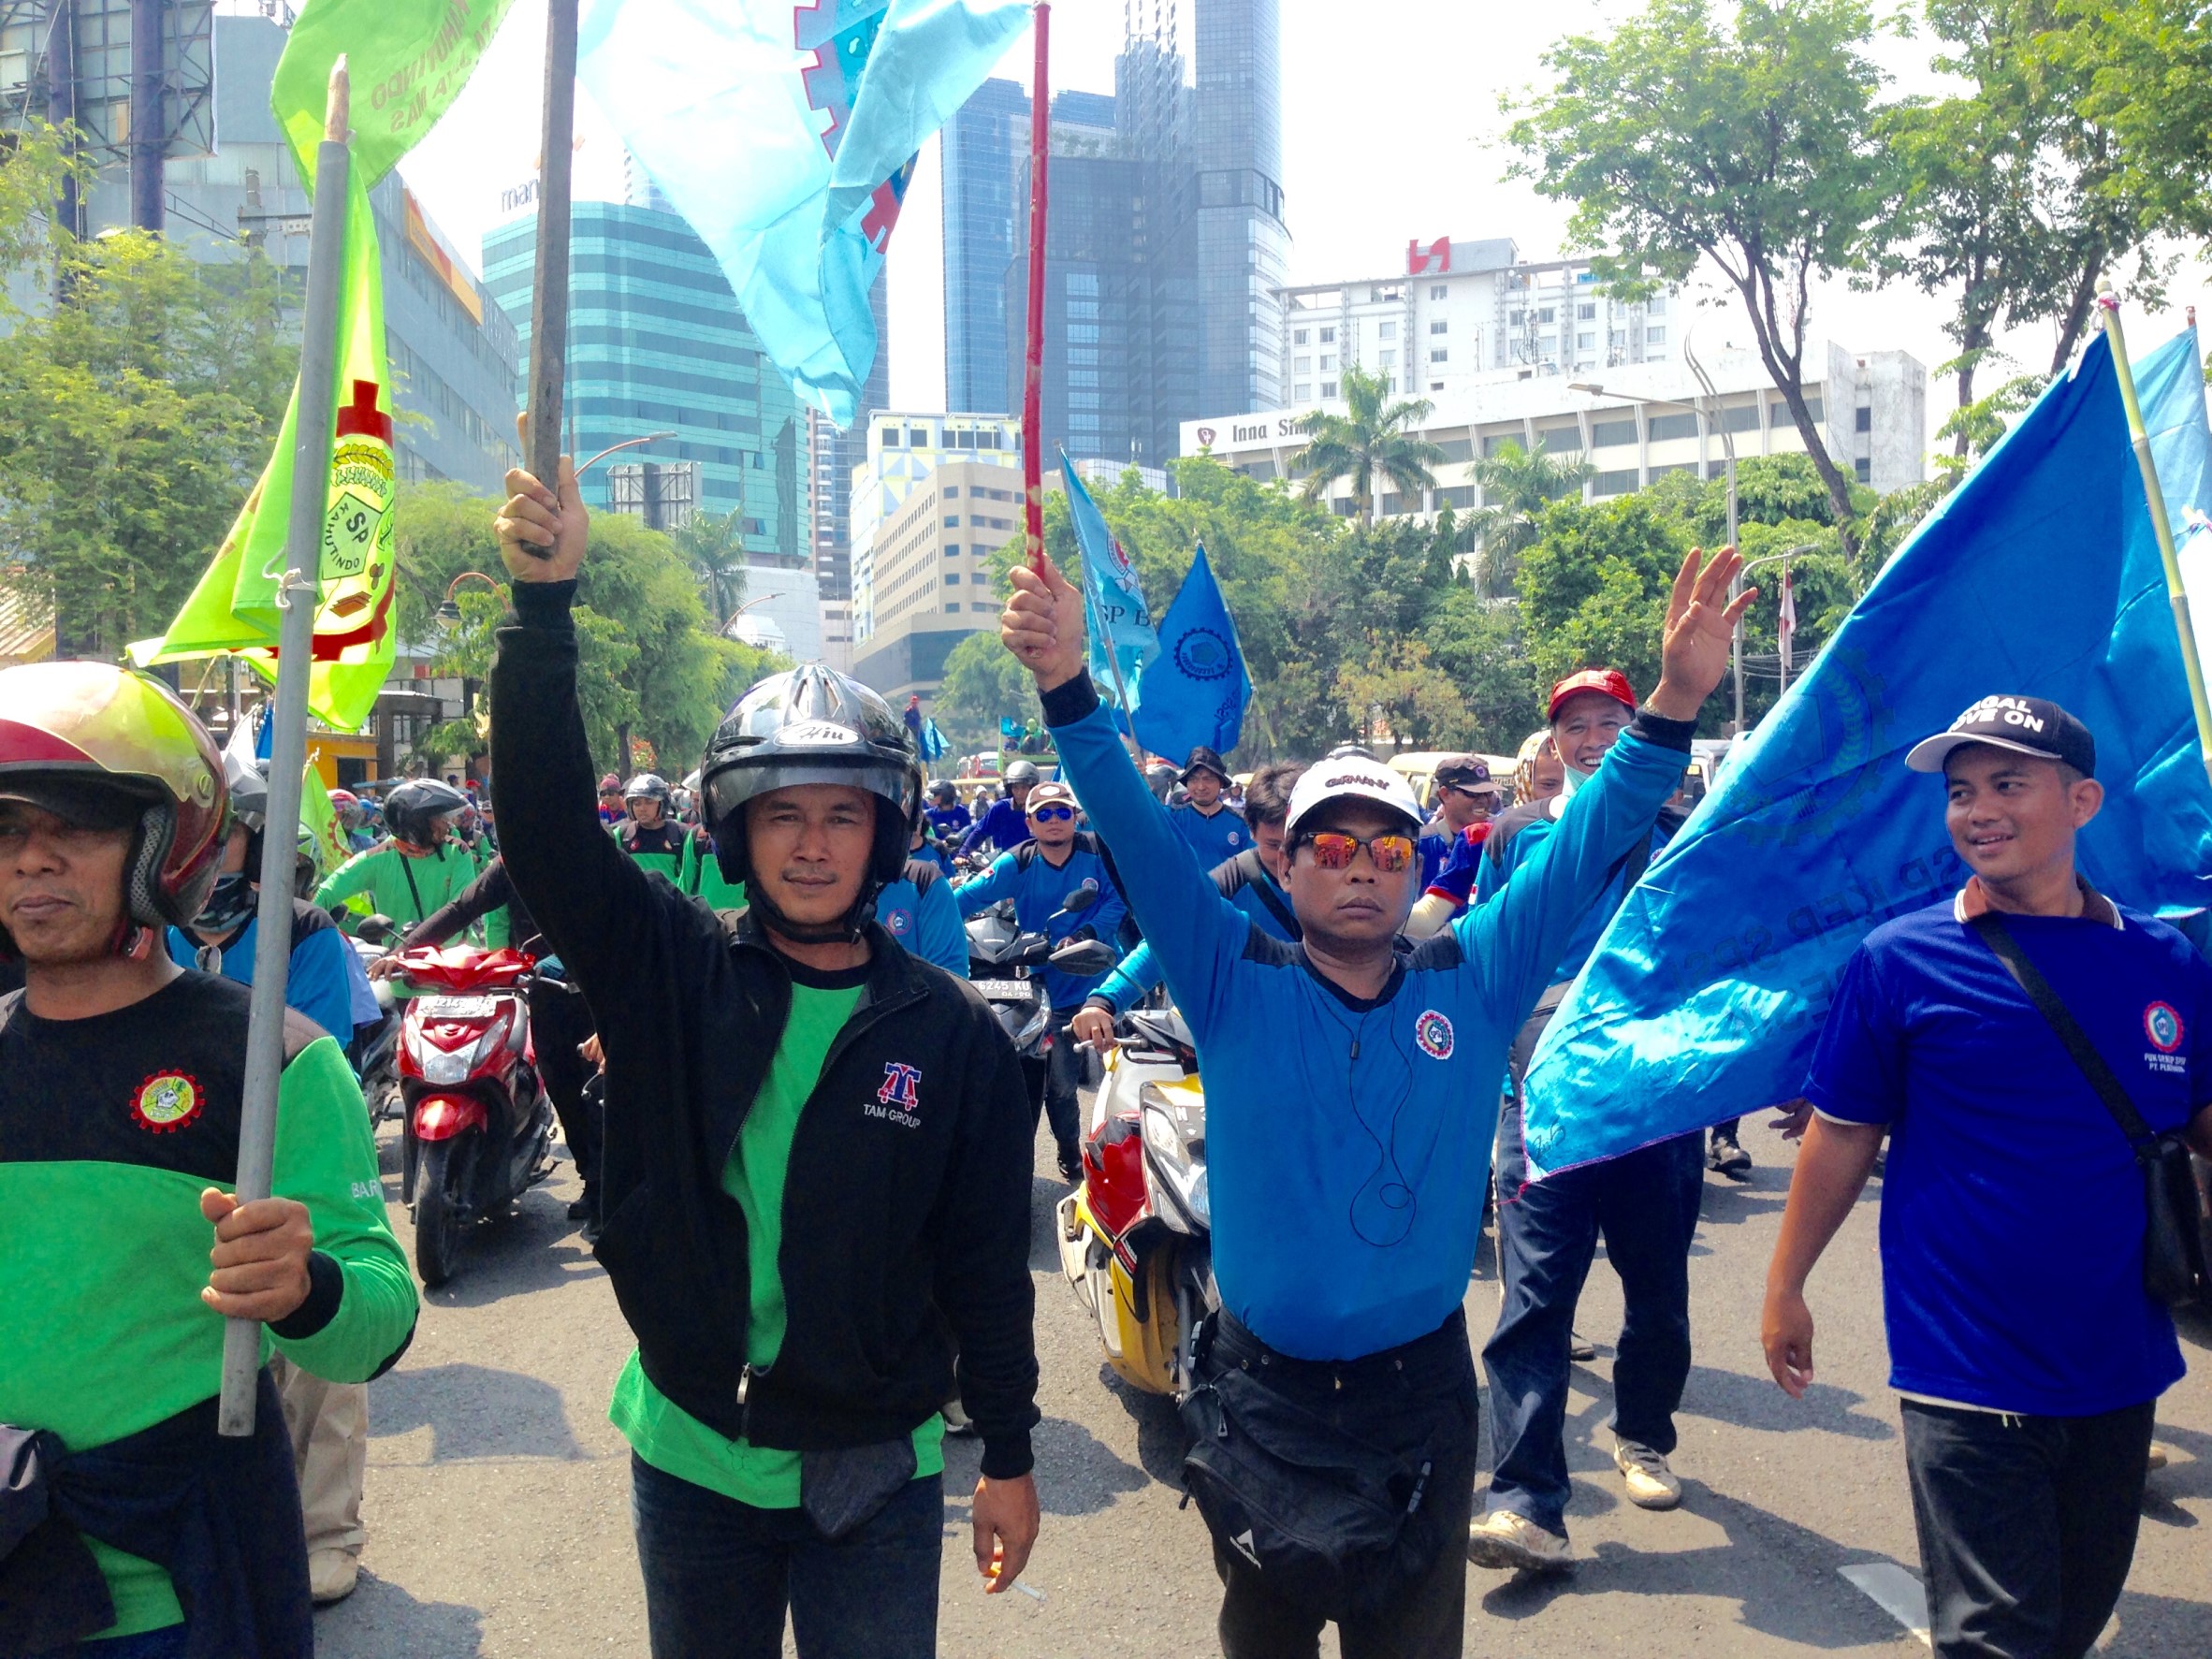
[(714, 545), (1517, 489), (1368, 440)]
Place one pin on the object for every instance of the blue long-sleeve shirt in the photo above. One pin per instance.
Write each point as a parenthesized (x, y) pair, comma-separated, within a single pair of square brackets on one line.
[(319, 981), (1348, 1139), (1517, 840), (920, 911), (1036, 887), (1210, 836), (1245, 884), (1004, 827)]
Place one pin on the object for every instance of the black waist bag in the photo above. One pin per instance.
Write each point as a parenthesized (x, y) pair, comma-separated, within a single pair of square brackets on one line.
[(1335, 1524)]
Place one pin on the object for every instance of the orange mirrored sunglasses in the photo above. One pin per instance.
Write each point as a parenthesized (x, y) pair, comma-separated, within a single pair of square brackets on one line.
[(1334, 850)]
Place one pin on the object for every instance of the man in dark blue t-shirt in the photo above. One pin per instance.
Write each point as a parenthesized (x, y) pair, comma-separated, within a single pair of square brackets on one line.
[(2030, 1356)]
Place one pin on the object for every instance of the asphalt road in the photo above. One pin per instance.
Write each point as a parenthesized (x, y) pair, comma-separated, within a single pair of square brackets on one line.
[(498, 1494)]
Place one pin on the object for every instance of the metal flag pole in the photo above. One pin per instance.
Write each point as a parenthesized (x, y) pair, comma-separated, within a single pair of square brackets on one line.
[(1041, 127), (298, 594), (548, 326), (2176, 595)]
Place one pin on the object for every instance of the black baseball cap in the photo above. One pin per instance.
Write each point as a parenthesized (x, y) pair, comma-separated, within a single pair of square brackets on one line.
[(1463, 771), (2027, 725)]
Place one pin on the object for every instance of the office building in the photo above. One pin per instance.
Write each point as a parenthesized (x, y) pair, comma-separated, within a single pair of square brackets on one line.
[(657, 345), (983, 146), (1243, 245), (1642, 422), (1461, 314), (833, 457), (453, 358)]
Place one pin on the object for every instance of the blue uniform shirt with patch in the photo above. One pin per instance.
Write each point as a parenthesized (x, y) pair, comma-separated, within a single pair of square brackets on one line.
[(920, 911), (1349, 1140), (1211, 838), (950, 822), (1004, 827), (1029, 879)]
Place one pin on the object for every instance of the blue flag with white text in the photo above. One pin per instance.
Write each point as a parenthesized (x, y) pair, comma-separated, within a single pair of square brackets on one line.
[(2039, 576), (786, 135), (1122, 638), (1195, 690)]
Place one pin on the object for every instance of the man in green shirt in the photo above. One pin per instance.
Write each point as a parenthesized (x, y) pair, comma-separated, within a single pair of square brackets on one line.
[(420, 869), (815, 1180), (121, 1092)]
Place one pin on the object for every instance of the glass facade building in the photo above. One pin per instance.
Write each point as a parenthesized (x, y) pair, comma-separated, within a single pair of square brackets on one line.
[(1244, 248), (656, 343), (983, 146)]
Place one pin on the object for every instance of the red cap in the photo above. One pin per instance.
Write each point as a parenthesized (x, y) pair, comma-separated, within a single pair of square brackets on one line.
[(1607, 682)]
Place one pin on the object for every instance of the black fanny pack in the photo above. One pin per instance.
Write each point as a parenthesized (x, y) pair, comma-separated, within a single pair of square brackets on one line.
[(2174, 1265), (1337, 1523)]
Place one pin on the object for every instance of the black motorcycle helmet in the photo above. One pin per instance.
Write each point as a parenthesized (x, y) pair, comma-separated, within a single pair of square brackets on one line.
[(812, 725), (410, 808), (943, 793), (649, 786)]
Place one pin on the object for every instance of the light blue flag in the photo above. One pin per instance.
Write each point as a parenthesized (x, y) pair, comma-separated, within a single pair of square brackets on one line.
[(1122, 638), (1195, 690), (2040, 576), (934, 745), (786, 135)]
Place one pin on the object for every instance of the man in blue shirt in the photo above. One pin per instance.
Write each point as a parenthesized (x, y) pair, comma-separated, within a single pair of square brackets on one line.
[(920, 913), (1466, 796), (1039, 875), (948, 818), (2030, 1356), (1644, 1204), (1204, 820), (1252, 881), (1348, 1132), (1006, 824)]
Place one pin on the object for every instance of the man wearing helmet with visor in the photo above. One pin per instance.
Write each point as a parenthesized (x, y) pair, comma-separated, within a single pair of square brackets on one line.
[(120, 1095), (816, 1172), (420, 869)]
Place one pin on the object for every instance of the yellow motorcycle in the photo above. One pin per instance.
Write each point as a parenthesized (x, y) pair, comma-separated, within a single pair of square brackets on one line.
[(1136, 1237)]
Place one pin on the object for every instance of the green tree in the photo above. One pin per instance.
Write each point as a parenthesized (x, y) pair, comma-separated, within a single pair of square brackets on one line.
[(1753, 145), (982, 683), (1400, 685), (1371, 440), (1594, 589), (1517, 489), (714, 543)]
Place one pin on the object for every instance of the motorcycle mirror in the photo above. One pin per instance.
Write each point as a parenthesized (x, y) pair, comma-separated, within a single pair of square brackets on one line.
[(1084, 958), (1081, 897), (376, 929)]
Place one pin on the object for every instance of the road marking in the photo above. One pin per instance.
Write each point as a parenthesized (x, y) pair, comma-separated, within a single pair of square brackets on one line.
[(1895, 1591)]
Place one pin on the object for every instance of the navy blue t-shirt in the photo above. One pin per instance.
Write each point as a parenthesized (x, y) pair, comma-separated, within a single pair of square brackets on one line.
[(1213, 838), (2012, 1206)]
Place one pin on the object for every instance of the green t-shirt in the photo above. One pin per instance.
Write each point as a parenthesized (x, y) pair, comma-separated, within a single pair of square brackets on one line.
[(662, 1432)]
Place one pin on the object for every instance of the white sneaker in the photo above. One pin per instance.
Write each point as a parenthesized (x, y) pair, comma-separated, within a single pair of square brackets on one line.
[(1504, 1538), (331, 1575), (1651, 1485)]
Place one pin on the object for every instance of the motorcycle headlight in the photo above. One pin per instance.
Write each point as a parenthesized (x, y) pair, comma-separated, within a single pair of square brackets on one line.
[(440, 1066)]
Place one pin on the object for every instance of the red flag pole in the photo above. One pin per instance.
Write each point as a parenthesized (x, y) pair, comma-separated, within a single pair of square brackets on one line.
[(1040, 123)]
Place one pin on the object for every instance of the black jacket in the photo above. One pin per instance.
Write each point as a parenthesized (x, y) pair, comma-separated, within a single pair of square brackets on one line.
[(907, 1200), (475, 902)]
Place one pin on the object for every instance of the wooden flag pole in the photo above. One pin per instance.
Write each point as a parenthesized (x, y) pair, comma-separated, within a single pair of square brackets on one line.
[(2176, 595), (1041, 127), (548, 328), (298, 594)]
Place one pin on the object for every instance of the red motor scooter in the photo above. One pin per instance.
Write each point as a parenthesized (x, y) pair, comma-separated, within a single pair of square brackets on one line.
[(478, 1122)]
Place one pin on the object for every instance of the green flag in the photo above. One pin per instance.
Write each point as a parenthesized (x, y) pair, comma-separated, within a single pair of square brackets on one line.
[(407, 61), (234, 607)]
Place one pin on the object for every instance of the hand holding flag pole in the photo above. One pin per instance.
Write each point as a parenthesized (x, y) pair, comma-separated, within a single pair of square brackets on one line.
[(2162, 526), (297, 597)]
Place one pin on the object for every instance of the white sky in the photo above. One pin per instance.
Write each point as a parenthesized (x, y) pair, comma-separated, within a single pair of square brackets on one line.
[(1390, 132)]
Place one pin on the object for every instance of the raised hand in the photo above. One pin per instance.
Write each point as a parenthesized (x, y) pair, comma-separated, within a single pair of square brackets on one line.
[(1042, 625), (536, 517), (1700, 633)]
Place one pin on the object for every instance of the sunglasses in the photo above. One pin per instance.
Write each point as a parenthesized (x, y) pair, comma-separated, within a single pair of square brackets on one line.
[(1334, 850), (1053, 814)]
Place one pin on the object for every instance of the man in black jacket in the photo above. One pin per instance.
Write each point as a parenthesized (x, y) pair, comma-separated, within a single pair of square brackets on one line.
[(815, 1180)]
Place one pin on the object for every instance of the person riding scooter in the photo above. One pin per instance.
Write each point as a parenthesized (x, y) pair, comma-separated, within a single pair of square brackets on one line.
[(418, 869)]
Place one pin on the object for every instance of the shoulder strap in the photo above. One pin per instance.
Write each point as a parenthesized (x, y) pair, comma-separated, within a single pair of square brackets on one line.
[(1256, 878), (407, 869), (1991, 926)]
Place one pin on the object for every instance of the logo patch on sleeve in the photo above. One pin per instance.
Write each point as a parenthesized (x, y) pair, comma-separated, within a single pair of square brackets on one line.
[(1432, 1032), (166, 1102)]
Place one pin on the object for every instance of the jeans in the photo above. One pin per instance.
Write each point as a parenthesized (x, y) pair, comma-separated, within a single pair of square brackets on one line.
[(2026, 1525), (1420, 1394), (718, 1573), (1645, 1205)]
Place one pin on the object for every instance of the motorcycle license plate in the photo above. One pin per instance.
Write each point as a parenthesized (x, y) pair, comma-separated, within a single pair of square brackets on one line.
[(457, 1008), (1006, 990)]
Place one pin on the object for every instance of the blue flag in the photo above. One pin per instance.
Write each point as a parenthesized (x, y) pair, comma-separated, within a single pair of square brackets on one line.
[(1195, 690), (932, 742), (1122, 640), (2040, 576), (786, 135)]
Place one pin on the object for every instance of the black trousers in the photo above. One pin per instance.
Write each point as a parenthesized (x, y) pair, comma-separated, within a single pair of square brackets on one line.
[(561, 1019), (1054, 1081), (2026, 1525), (1387, 1402)]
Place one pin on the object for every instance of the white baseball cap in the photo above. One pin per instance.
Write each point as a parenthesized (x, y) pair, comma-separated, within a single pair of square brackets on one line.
[(1350, 777)]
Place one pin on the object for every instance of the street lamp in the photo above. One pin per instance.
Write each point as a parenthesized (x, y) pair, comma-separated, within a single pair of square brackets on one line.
[(762, 598), (1728, 447), (450, 612), (625, 443)]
